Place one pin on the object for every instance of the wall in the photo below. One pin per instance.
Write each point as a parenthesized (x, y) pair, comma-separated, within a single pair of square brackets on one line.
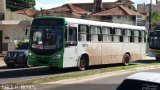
[(123, 19), (2, 6), (14, 32), (142, 8), (14, 16)]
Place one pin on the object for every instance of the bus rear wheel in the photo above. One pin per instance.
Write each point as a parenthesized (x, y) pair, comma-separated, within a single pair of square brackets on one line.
[(83, 63), (126, 59)]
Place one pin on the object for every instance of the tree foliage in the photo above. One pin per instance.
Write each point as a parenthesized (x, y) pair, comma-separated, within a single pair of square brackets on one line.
[(14, 5), (155, 19), (131, 6)]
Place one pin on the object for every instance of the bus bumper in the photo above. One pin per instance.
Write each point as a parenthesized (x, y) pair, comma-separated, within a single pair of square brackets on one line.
[(45, 61)]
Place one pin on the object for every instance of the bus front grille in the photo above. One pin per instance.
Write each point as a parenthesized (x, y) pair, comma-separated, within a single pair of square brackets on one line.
[(43, 61)]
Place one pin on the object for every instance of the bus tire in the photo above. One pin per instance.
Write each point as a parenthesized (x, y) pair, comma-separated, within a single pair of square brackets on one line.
[(126, 59), (10, 65), (83, 63)]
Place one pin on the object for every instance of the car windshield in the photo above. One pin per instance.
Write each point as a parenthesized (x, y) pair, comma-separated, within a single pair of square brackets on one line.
[(23, 46)]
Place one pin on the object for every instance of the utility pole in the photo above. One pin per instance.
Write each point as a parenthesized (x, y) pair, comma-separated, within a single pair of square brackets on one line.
[(150, 17)]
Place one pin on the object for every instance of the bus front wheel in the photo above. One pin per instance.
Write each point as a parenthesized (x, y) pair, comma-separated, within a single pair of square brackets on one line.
[(126, 59), (83, 64)]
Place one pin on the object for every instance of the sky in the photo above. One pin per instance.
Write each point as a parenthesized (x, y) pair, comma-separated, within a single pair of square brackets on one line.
[(47, 4)]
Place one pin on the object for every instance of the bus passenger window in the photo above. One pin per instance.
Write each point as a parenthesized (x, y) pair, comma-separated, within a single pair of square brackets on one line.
[(72, 34), (143, 36), (95, 33), (126, 35), (132, 36), (106, 32), (83, 33), (140, 37), (136, 36), (117, 36)]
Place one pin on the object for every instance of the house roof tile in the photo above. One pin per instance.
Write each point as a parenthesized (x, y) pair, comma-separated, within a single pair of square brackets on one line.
[(69, 8), (27, 11), (117, 11)]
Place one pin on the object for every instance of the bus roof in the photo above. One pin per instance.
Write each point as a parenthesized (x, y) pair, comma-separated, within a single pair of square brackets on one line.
[(107, 24), (98, 23)]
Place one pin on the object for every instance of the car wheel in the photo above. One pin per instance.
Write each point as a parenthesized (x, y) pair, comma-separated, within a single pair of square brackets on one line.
[(83, 63), (10, 65), (157, 58), (28, 65), (126, 59)]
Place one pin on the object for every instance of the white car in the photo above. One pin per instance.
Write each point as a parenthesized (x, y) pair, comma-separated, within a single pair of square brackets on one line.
[(141, 81)]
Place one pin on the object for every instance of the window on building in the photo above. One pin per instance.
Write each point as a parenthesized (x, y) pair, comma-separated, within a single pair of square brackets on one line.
[(106, 34), (95, 32)]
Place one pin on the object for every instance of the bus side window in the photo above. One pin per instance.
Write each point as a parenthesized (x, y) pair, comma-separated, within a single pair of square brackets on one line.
[(140, 37), (106, 34), (71, 36), (136, 36), (118, 34), (132, 36), (143, 37), (95, 32), (83, 33), (126, 35)]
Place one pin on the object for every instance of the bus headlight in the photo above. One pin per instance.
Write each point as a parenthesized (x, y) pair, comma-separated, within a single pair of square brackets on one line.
[(57, 56)]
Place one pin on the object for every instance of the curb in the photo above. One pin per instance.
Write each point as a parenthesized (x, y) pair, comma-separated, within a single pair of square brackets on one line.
[(102, 75)]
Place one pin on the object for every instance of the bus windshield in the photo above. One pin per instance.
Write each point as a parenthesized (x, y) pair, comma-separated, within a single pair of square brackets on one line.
[(154, 40), (46, 37)]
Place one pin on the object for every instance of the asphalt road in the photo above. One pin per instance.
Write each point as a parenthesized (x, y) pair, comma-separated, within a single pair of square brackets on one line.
[(13, 74), (107, 83)]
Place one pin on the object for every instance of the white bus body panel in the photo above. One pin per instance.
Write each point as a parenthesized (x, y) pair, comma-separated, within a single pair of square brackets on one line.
[(70, 56), (134, 49), (101, 52), (112, 53)]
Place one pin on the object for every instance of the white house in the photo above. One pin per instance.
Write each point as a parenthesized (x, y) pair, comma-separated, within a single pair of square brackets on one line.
[(12, 27)]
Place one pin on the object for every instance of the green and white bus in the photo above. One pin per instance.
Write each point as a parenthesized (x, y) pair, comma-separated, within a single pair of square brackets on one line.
[(69, 42)]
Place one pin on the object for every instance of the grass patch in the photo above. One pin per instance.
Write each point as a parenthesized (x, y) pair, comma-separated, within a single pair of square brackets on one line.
[(61, 76)]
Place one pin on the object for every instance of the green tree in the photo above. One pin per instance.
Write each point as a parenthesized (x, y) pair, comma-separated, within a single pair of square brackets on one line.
[(14, 5), (131, 6), (155, 19)]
